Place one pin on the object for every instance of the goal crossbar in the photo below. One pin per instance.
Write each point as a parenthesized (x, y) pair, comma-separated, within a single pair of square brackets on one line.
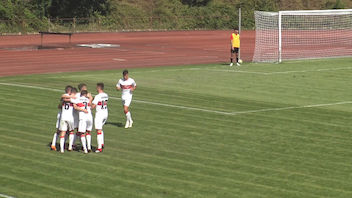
[(302, 34)]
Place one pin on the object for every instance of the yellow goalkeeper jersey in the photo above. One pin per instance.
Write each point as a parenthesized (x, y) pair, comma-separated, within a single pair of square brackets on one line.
[(235, 40)]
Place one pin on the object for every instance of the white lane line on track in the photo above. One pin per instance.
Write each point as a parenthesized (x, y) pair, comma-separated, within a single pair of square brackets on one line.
[(5, 196), (195, 108), (119, 59)]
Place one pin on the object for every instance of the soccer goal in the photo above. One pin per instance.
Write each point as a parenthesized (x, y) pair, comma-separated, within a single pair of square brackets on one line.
[(290, 35)]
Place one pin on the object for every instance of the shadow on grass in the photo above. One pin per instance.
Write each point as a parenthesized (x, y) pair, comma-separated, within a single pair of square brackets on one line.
[(118, 124)]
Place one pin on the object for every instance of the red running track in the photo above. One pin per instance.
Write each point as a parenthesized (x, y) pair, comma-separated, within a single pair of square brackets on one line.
[(19, 54)]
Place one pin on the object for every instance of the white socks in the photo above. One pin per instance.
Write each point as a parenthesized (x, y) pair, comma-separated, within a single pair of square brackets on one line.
[(62, 143), (53, 143), (102, 137), (89, 141), (83, 141), (71, 140), (128, 116), (99, 140)]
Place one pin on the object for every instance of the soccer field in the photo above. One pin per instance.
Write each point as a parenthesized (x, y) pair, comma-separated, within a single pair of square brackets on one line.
[(261, 130)]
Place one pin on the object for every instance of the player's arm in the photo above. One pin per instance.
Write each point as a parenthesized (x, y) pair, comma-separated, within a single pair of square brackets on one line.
[(94, 102), (134, 86), (90, 98), (67, 98), (118, 86), (79, 108)]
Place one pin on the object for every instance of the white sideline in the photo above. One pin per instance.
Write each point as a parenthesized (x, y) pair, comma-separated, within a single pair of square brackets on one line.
[(198, 109), (280, 72), (5, 196)]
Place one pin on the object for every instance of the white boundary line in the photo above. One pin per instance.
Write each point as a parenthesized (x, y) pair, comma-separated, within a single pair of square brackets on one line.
[(6, 196), (280, 72), (195, 108)]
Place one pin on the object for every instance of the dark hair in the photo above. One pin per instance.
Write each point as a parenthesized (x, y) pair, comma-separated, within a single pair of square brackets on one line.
[(68, 89), (84, 92), (81, 85), (74, 90), (100, 85), (125, 72), (235, 28)]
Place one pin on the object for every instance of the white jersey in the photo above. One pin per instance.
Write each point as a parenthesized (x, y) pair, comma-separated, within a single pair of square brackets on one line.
[(101, 102), (67, 110), (83, 102), (126, 86)]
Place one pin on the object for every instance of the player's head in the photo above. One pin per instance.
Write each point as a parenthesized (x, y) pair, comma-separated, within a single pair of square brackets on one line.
[(74, 90), (84, 93), (82, 86), (235, 30), (68, 89), (100, 86), (125, 74)]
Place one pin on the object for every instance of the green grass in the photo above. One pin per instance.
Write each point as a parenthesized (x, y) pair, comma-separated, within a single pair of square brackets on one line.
[(212, 148)]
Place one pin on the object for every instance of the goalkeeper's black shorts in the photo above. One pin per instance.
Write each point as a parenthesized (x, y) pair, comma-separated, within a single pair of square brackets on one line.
[(235, 50)]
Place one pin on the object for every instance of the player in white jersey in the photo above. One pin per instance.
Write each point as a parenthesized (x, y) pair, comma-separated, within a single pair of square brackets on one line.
[(127, 85), (73, 137), (66, 122), (83, 106), (100, 103), (68, 90)]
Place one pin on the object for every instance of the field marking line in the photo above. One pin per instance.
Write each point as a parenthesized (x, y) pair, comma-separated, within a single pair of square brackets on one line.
[(293, 107), (137, 101), (5, 196), (280, 72), (195, 108)]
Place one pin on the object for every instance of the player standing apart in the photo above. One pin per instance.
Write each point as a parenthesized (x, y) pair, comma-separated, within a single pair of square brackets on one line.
[(235, 46), (127, 85), (83, 105), (100, 103)]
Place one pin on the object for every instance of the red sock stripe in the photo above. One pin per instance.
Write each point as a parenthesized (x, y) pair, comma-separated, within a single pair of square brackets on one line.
[(71, 133), (99, 133), (62, 136), (83, 135)]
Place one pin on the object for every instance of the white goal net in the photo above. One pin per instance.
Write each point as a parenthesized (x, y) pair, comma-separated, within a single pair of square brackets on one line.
[(289, 35)]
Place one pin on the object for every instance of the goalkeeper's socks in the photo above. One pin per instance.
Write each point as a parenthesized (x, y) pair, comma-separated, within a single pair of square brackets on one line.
[(236, 60), (231, 60)]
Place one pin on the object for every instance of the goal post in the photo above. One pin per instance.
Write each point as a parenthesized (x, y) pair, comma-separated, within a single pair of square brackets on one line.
[(309, 34)]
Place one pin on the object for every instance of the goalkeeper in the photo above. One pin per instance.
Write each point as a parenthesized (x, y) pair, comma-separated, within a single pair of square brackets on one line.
[(235, 46)]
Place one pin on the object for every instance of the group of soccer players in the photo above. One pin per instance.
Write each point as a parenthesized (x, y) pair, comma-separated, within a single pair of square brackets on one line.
[(75, 113)]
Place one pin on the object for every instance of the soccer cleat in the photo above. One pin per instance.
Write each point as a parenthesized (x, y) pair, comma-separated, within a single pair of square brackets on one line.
[(231, 64), (127, 124), (131, 122), (85, 151), (238, 64), (99, 150), (53, 148), (90, 150)]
